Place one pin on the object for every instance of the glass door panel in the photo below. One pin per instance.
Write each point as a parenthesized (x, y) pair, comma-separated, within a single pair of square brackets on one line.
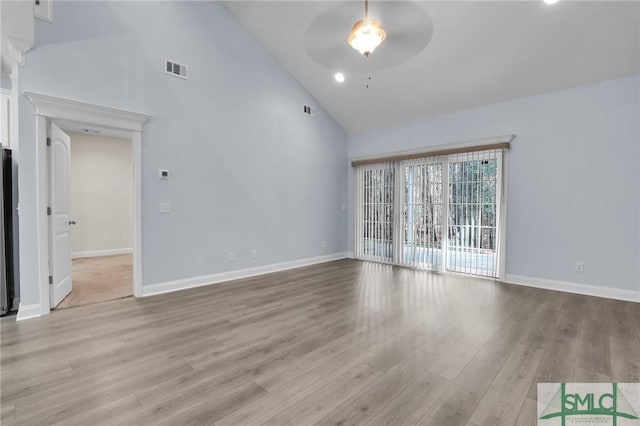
[(422, 224), (378, 217), (472, 222)]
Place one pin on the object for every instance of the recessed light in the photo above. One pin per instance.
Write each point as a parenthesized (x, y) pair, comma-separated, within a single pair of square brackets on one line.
[(551, 1), (339, 77)]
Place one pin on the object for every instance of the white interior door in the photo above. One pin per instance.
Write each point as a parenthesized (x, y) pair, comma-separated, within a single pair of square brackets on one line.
[(59, 220)]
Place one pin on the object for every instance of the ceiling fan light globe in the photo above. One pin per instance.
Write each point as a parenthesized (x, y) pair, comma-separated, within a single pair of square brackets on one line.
[(366, 35)]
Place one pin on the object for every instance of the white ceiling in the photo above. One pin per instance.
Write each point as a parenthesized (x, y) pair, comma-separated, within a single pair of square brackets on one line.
[(479, 52)]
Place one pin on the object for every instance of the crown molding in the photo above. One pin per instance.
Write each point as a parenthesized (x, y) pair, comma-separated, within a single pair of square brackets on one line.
[(67, 109)]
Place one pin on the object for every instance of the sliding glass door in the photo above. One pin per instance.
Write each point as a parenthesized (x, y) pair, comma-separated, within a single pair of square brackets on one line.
[(474, 208), (375, 213), (439, 213), (422, 220)]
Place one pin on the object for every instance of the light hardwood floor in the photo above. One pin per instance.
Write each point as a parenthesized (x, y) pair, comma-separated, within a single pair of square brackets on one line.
[(341, 343), (98, 279)]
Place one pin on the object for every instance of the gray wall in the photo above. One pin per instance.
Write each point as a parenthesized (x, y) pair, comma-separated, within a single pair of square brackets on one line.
[(573, 178), (248, 169)]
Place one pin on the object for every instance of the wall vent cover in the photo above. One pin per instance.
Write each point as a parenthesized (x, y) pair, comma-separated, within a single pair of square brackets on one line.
[(175, 69), (306, 110)]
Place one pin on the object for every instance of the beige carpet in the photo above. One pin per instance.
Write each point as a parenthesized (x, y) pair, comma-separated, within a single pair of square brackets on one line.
[(96, 279)]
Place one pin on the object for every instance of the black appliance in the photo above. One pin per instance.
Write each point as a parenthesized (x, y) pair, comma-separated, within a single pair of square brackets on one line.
[(7, 279)]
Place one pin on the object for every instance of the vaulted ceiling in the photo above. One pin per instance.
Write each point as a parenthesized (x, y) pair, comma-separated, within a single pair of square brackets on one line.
[(444, 56)]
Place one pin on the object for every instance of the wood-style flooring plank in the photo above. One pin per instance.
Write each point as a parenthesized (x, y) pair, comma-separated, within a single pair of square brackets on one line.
[(500, 404), (593, 362), (410, 405), (459, 401), (363, 405), (297, 385), (312, 408), (528, 415), (344, 342)]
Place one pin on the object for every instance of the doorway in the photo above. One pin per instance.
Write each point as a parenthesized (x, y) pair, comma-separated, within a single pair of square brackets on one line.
[(100, 222), (47, 110)]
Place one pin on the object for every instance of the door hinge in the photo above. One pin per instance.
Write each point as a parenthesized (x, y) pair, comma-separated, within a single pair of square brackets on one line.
[(50, 279), (48, 211), (48, 141)]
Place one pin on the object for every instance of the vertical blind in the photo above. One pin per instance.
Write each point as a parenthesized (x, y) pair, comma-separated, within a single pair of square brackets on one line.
[(422, 219), (375, 212), (474, 210), (439, 213)]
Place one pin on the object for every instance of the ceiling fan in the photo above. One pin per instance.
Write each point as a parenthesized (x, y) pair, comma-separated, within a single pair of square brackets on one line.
[(366, 34), (407, 31)]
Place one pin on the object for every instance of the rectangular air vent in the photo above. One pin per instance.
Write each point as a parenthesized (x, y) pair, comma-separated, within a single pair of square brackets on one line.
[(306, 109), (175, 69)]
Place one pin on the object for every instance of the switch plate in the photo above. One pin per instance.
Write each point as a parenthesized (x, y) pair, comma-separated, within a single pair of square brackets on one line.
[(165, 208), (163, 174), (231, 256), (324, 244), (254, 254), (579, 266)]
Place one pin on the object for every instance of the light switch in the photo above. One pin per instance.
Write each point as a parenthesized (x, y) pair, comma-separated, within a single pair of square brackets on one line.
[(165, 208)]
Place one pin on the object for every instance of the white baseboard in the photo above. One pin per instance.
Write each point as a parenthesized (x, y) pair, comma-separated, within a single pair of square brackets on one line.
[(351, 255), (569, 287), (28, 311), (183, 284), (97, 253)]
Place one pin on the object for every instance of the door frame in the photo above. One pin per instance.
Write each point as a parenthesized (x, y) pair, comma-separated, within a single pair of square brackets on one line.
[(48, 109)]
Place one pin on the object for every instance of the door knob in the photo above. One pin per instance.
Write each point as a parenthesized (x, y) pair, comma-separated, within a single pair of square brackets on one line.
[(72, 222)]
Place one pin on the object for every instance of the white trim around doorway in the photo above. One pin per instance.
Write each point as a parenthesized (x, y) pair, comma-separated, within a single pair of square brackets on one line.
[(49, 108)]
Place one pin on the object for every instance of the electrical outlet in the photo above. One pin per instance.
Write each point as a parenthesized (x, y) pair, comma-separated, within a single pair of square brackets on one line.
[(579, 266), (231, 256), (165, 208), (324, 244), (254, 254)]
